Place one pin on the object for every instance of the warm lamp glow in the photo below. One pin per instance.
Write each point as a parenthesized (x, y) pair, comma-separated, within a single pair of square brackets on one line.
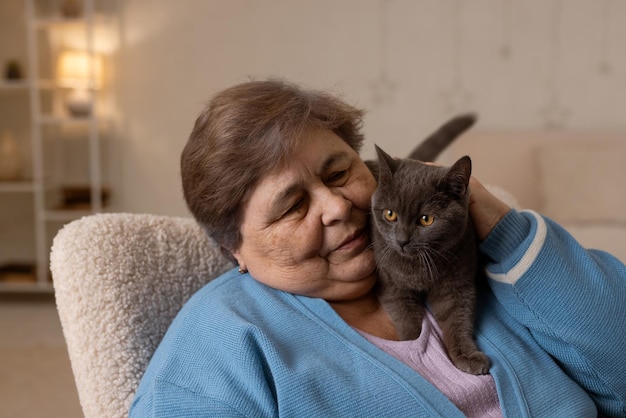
[(79, 69)]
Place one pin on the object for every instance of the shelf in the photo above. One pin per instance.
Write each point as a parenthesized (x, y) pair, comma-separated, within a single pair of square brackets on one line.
[(26, 287), (43, 84), (50, 22), (21, 277), (17, 186), (46, 84), (51, 130), (65, 215), (6, 85), (62, 120), (59, 21)]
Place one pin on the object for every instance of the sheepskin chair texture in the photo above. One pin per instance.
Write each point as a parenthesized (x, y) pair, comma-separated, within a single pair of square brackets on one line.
[(119, 280)]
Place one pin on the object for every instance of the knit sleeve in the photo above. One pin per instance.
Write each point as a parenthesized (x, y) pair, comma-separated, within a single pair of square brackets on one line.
[(167, 400), (573, 301)]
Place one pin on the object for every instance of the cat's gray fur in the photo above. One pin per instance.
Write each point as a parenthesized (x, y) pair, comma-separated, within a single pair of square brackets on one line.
[(434, 263)]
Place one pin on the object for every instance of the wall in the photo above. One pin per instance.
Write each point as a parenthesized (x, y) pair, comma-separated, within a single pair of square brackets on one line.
[(522, 65)]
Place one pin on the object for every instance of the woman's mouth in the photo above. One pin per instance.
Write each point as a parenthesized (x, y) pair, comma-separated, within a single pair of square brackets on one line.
[(356, 240)]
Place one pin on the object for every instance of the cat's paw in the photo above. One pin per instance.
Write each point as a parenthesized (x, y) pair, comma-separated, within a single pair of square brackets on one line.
[(476, 363)]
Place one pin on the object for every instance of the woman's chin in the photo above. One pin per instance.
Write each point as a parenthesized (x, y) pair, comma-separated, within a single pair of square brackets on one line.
[(357, 269)]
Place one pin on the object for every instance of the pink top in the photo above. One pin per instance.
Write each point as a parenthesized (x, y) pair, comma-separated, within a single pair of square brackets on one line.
[(475, 396)]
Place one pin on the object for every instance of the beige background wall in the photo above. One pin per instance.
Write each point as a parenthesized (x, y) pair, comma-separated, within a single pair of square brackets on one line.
[(521, 64), (528, 64)]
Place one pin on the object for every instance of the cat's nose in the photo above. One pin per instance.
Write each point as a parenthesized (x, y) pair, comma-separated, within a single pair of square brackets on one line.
[(402, 243)]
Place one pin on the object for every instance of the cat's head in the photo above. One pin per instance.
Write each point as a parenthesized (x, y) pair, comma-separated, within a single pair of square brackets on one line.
[(418, 206)]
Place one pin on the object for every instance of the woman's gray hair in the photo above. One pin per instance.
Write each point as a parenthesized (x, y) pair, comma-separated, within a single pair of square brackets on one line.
[(243, 133)]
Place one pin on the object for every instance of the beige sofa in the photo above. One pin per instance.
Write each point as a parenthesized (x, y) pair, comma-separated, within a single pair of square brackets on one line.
[(577, 179)]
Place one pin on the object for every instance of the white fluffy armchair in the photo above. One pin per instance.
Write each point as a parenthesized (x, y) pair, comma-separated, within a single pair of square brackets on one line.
[(119, 281)]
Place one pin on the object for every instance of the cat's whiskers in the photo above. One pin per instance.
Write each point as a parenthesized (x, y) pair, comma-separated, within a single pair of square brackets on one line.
[(446, 254), (387, 253), (428, 261)]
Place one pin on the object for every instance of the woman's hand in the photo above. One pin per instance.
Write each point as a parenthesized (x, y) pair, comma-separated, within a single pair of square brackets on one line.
[(486, 209)]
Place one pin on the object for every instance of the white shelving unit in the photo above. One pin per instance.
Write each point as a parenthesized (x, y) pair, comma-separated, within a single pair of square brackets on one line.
[(65, 148)]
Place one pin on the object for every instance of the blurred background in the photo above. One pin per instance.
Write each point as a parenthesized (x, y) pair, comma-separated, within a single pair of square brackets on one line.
[(98, 97)]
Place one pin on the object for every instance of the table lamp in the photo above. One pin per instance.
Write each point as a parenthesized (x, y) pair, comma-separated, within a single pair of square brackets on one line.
[(81, 72)]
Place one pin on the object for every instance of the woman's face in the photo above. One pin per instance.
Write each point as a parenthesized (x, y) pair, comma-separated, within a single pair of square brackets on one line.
[(305, 225)]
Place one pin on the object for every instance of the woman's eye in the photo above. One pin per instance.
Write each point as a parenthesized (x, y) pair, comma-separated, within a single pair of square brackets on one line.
[(426, 220), (296, 206), (336, 176), (390, 215)]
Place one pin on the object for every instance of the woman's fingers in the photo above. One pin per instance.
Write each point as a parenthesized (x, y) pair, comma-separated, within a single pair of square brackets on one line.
[(486, 209)]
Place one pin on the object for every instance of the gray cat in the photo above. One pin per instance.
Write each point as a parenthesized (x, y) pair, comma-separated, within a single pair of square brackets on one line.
[(426, 250)]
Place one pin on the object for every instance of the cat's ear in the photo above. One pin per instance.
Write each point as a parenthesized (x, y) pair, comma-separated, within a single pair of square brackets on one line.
[(386, 165), (458, 176)]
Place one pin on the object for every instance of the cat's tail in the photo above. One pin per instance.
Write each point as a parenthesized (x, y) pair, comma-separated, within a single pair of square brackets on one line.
[(430, 148)]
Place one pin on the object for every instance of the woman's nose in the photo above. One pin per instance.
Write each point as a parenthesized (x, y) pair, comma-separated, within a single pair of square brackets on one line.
[(334, 206)]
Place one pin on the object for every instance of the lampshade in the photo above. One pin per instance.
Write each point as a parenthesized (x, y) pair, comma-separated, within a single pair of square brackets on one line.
[(79, 69)]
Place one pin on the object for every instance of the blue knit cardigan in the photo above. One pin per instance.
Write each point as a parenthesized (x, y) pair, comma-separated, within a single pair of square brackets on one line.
[(552, 321)]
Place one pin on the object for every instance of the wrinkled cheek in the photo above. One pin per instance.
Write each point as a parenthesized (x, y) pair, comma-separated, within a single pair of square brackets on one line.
[(363, 195), (294, 247)]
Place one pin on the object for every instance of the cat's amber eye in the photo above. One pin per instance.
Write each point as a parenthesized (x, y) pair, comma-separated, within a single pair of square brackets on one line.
[(426, 220), (390, 215)]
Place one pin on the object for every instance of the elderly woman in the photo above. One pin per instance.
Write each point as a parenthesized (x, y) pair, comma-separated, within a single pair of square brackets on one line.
[(272, 172)]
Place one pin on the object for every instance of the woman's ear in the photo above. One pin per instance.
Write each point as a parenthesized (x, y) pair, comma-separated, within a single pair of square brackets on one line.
[(239, 260)]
